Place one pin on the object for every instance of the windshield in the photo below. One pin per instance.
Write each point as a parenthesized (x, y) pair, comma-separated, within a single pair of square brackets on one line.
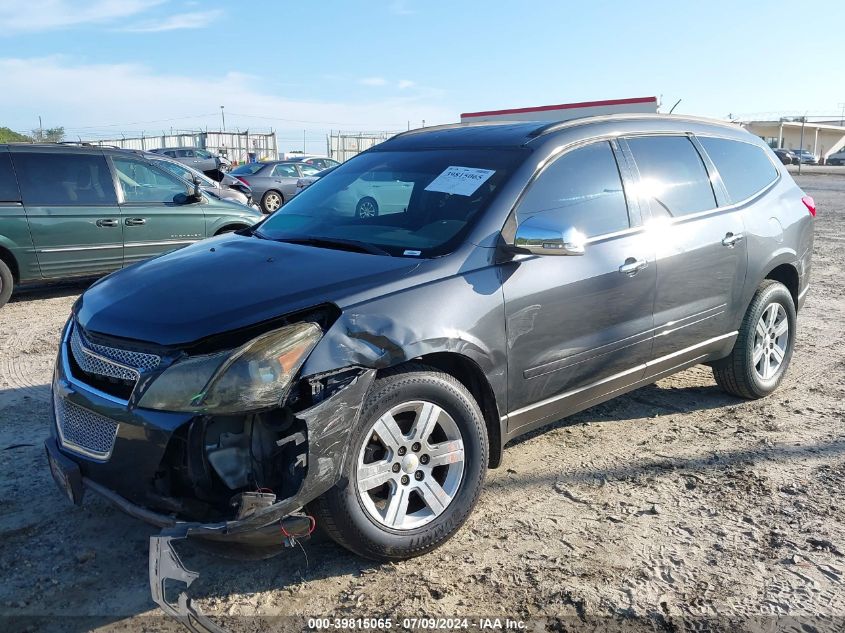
[(248, 168), (410, 203)]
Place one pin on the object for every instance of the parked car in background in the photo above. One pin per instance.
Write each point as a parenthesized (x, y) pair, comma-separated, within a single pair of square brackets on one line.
[(307, 181), (273, 182), (320, 162), (200, 159), (805, 157), (72, 211), (836, 159), (361, 373), (237, 192), (785, 156)]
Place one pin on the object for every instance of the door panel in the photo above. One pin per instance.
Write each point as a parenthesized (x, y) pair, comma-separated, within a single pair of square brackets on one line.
[(699, 280), (579, 326), (72, 211), (152, 222), (701, 252), (573, 322)]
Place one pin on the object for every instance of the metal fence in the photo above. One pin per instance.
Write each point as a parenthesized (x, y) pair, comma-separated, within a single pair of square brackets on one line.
[(240, 147), (344, 145)]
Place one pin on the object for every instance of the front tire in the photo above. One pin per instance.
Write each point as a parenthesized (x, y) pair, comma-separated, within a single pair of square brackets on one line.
[(763, 349), (414, 467), (367, 207), (7, 283)]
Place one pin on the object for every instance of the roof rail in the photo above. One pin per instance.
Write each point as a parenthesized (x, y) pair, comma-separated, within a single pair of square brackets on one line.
[(632, 116)]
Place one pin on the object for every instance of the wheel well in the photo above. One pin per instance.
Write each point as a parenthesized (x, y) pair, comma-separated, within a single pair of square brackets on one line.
[(11, 262), (469, 374), (230, 227), (788, 276)]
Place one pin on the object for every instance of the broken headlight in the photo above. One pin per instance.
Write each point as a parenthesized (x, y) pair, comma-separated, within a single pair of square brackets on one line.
[(254, 376)]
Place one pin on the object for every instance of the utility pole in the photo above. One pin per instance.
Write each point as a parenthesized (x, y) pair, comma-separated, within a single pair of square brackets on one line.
[(223, 118), (842, 114), (801, 146), (303, 141), (40, 129)]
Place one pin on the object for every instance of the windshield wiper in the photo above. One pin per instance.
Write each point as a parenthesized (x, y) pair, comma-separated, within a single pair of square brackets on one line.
[(333, 242)]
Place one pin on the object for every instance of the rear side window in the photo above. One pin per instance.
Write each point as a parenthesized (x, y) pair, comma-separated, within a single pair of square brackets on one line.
[(745, 169), (49, 178), (672, 175), (8, 185), (285, 171), (583, 190), (185, 153)]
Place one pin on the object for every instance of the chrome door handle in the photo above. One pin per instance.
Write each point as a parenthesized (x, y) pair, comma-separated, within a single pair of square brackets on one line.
[(633, 266), (732, 238), (135, 221), (107, 222)]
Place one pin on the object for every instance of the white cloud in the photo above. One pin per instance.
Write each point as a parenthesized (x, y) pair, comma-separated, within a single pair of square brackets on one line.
[(31, 16), (373, 81), (405, 84), (193, 20), (130, 98)]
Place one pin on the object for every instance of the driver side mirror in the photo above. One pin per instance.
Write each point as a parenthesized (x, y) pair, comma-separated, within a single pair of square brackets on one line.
[(539, 236), (196, 195)]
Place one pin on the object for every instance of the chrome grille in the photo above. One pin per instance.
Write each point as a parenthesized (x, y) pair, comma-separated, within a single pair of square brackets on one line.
[(84, 431), (111, 362)]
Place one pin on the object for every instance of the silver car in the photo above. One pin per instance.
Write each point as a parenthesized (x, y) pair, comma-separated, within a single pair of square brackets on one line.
[(272, 183), (200, 159)]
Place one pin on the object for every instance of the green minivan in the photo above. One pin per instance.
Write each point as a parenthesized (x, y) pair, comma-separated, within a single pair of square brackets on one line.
[(73, 211)]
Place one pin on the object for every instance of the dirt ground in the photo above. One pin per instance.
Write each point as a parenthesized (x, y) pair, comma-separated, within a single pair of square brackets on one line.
[(675, 507)]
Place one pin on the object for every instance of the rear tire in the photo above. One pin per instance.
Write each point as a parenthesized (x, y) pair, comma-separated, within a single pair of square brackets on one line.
[(272, 201), (763, 349), (7, 283), (406, 495)]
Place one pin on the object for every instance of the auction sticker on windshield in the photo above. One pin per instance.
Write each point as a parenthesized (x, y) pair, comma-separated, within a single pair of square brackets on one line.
[(463, 181)]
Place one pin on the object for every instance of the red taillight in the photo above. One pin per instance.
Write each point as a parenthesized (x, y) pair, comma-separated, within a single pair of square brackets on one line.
[(246, 182), (810, 204)]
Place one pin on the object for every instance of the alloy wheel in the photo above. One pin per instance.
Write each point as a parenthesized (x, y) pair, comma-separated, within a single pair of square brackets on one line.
[(411, 466), (366, 209), (771, 340), (272, 202)]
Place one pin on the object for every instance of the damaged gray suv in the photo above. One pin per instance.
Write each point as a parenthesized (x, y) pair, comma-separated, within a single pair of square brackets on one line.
[(361, 373)]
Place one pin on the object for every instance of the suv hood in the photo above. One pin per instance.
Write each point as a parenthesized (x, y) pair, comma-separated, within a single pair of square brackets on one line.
[(227, 283)]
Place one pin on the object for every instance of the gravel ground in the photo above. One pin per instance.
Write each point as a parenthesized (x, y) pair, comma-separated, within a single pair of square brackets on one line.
[(670, 506)]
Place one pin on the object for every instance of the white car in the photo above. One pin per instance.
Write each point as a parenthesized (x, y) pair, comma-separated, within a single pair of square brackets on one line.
[(369, 197)]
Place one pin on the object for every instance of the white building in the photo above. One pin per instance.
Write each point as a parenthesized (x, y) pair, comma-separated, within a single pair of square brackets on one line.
[(822, 139)]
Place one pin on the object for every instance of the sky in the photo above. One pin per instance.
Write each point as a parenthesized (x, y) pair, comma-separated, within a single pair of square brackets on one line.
[(106, 68)]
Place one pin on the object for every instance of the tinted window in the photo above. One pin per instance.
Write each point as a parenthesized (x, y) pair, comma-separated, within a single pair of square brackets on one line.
[(672, 175), (285, 171), (581, 189), (144, 183), (201, 153), (8, 184), (185, 153), (745, 169), (248, 168), (48, 179), (171, 153)]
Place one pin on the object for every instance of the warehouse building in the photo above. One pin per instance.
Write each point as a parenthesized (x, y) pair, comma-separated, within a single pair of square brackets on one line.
[(822, 139)]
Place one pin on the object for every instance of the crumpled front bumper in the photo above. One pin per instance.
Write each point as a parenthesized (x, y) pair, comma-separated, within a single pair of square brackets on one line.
[(329, 425)]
